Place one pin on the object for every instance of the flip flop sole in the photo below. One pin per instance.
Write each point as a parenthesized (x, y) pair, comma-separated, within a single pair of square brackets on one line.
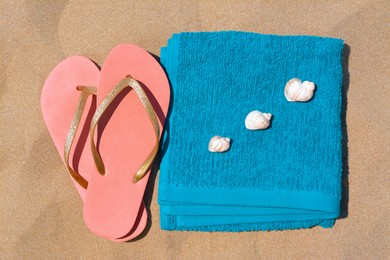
[(125, 137)]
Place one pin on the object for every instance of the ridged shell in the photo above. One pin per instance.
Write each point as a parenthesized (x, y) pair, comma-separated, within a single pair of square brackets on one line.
[(298, 91), (256, 120), (219, 144)]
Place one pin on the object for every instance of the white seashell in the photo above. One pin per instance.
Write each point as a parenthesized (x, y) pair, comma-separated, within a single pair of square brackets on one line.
[(219, 144), (257, 120), (298, 91)]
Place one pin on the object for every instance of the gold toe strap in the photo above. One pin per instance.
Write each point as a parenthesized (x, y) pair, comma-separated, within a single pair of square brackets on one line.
[(134, 84), (85, 92)]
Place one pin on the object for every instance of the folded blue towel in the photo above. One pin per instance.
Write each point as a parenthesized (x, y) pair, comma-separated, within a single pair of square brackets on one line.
[(285, 177)]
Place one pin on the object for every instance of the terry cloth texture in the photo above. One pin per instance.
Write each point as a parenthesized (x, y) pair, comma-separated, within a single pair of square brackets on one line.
[(285, 177)]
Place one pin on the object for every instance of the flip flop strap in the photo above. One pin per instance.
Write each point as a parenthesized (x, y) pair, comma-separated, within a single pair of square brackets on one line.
[(134, 84), (85, 92)]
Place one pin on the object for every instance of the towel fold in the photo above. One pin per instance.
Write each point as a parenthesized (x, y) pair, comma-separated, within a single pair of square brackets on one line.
[(285, 177)]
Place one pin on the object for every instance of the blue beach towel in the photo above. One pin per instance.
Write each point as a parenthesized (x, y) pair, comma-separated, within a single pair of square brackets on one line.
[(285, 177)]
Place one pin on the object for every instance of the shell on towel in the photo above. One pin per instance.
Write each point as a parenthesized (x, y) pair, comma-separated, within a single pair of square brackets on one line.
[(298, 91), (256, 120), (219, 144)]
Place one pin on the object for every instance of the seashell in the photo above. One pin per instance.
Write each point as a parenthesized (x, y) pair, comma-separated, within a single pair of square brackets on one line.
[(219, 144), (257, 120), (298, 91)]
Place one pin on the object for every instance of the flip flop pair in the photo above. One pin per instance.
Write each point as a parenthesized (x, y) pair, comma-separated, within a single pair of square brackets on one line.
[(106, 124)]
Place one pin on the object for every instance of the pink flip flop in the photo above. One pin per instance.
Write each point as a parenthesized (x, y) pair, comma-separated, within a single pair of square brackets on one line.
[(133, 99), (68, 98), (68, 103)]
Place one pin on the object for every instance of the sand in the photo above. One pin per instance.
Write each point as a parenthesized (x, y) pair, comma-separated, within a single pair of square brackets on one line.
[(40, 210)]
